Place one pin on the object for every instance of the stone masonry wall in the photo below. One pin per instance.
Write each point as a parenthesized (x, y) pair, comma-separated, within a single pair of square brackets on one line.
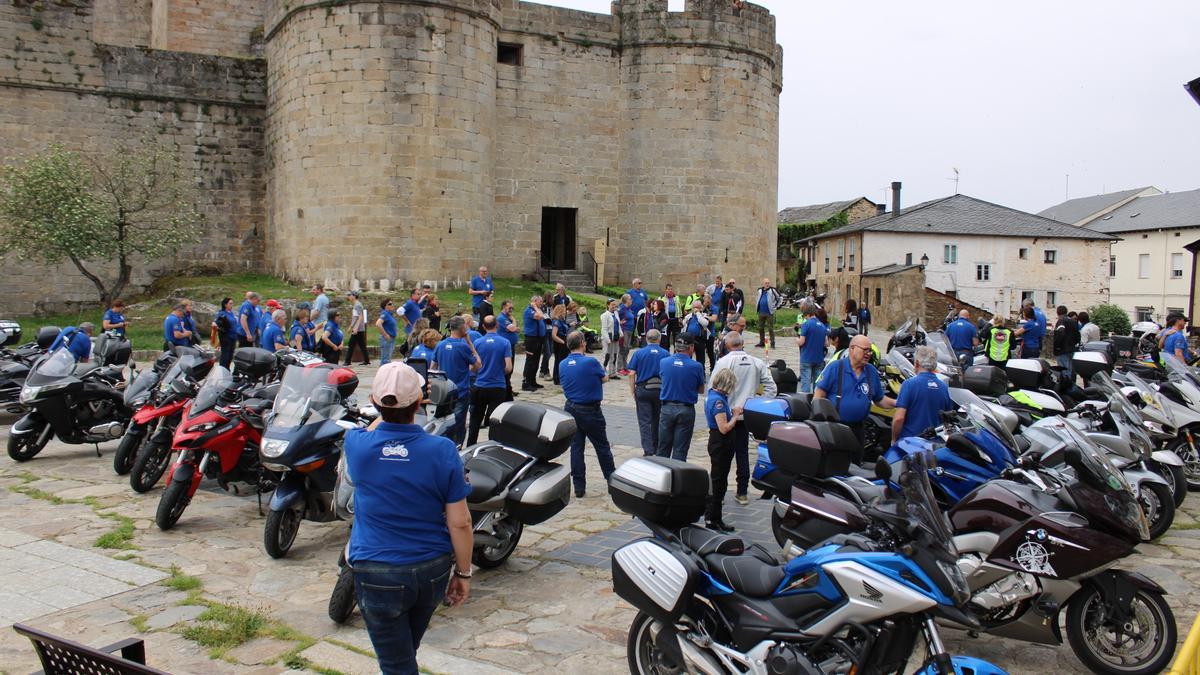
[(125, 23), (58, 86), (230, 27)]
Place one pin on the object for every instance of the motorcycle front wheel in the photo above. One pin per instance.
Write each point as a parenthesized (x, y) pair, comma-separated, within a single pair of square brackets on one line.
[(342, 600), (135, 436), (1185, 446), (24, 447), (1159, 506), (174, 500), (645, 658), (280, 531), (508, 531), (1140, 646), (1173, 475), (151, 462)]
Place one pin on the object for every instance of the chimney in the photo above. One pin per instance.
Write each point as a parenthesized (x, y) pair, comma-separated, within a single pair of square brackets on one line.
[(880, 209), (895, 198)]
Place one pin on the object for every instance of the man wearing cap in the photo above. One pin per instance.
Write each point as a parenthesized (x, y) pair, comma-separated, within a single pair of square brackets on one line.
[(682, 383), (481, 285), (358, 329), (582, 379), (645, 383), (247, 322), (456, 357), (491, 383), (264, 319), (411, 544)]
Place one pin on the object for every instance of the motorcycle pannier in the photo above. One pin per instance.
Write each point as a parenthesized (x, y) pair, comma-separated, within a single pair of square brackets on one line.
[(654, 579), (252, 362), (985, 380), (540, 494), (666, 492), (798, 449), (542, 431), (1024, 373), (1089, 363)]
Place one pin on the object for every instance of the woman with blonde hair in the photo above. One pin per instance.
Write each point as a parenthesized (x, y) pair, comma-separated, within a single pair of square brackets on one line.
[(424, 344), (721, 443), (414, 338), (558, 336)]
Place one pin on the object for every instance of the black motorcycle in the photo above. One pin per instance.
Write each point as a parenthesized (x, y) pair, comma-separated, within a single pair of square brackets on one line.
[(15, 363)]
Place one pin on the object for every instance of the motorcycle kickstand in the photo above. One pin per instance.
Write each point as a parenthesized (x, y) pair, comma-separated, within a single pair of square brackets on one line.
[(260, 511), (97, 449)]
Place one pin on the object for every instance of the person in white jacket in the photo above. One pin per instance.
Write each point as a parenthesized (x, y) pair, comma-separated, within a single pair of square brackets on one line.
[(752, 375), (610, 339)]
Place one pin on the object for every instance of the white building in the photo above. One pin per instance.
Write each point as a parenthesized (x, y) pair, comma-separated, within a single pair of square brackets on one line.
[(1149, 268)]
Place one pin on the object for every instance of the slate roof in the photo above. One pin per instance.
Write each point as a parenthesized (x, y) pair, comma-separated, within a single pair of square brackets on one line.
[(816, 213), (1074, 210), (887, 269), (965, 215), (1169, 211)]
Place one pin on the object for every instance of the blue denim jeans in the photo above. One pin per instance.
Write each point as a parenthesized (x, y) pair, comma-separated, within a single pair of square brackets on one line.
[(809, 372), (589, 423), (397, 602), (386, 347), (1064, 361), (675, 430), (649, 407), (458, 431)]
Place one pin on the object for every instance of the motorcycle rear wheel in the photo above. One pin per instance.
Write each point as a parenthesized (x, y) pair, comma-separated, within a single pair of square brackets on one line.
[(25, 447), (1173, 475), (133, 440), (170, 507), (151, 462), (1159, 506), (645, 658), (279, 533), (509, 532), (1097, 642), (342, 600), (1190, 456)]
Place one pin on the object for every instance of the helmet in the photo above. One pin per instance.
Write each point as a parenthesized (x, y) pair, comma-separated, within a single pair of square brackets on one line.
[(344, 380)]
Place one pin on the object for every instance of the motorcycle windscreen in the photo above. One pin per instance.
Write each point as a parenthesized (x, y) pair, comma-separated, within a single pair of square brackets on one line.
[(57, 365), (218, 380), (306, 396), (140, 385)]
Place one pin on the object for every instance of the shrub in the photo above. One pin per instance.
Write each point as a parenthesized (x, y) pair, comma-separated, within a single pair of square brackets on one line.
[(1111, 319)]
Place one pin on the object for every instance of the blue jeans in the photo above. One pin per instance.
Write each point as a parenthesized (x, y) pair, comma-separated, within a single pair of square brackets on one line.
[(1064, 361), (386, 347), (649, 407), (397, 602), (675, 430), (589, 423), (458, 430), (809, 373)]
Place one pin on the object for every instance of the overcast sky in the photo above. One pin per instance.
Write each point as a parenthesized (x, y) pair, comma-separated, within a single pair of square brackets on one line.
[(1016, 95)]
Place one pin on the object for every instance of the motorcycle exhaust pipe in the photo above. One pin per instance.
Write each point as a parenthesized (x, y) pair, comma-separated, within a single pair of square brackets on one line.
[(485, 539), (110, 429)]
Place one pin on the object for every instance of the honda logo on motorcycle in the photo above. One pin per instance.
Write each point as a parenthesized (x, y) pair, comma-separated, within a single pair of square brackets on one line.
[(871, 593)]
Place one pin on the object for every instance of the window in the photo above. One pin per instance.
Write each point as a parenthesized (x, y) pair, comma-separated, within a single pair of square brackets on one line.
[(1023, 253), (1176, 265), (849, 293), (827, 257), (1112, 265), (1143, 265), (841, 254), (1051, 298), (950, 254), (1175, 310), (878, 296), (510, 54), (1026, 295), (853, 250), (1144, 313), (1050, 256), (907, 258), (983, 273)]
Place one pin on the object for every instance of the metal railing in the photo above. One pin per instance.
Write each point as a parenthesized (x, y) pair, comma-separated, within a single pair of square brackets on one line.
[(1187, 661), (595, 270)]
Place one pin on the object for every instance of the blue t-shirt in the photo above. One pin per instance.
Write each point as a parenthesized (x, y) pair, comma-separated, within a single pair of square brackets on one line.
[(582, 379), (115, 317), (627, 317), (76, 341), (171, 324), (480, 284), (476, 336), (298, 329), (320, 308), (693, 326), (249, 311), (639, 299), (1041, 319), (961, 334), (533, 327), (647, 362), (230, 323), (389, 324), (1032, 337), (717, 296), (1177, 340), (715, 404), (814, 333), (850, 393), (682, 379), (503, 321), (412, 312), (335, 332), (922, 398), (453, 357), (403, 480), (273, 338), (492, 349), (421, 352), (264, 320), (560, 325), (764, 302), (672, 305)]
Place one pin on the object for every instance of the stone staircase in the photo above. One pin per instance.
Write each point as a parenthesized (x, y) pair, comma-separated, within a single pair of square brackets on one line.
[(574, 280)]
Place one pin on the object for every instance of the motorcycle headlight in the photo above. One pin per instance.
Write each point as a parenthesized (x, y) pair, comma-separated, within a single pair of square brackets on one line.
[(202, 427), (958, 583), (29, 393), (274, 447)]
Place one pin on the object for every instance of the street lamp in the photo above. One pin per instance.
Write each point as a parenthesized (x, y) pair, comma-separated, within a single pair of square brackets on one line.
[(924, 259)]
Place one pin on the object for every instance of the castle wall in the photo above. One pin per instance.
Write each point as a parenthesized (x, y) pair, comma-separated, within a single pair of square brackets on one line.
[(58, 86), (229, 27)]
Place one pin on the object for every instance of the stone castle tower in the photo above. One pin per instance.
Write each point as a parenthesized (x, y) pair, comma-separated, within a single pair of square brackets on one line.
[(375, 144)]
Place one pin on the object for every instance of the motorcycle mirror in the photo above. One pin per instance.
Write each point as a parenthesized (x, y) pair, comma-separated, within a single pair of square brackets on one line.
[(1073, 458), (883, 470)]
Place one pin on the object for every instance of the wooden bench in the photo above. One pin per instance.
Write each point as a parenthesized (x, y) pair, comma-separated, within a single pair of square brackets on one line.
[(64, 657)]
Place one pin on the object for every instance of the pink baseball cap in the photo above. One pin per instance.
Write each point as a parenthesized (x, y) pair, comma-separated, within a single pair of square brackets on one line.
[(399, 380)]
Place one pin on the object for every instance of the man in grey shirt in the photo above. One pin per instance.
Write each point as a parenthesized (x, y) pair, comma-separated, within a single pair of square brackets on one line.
[(357, 331), (320, 306), (752, 373)]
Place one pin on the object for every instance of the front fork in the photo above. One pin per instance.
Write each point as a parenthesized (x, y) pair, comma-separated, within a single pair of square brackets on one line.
[(937, 649), (180, 470)]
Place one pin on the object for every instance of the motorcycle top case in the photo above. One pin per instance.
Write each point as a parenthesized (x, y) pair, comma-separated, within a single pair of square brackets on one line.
[(1024, 373), (985, 380), (10, 333), (541, 431), (253, 362), (46, 336), (655, 579), (1089, 363), (540, 494), (813, 449), (664, 491), (1124, 346), (759, 413), (112, 351)]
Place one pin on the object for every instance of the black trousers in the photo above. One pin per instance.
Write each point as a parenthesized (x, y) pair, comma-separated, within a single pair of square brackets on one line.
[(483, 402), (673, 328), (720, 453), (533, 355), (359, 339), (243, 341), (228, 344), (547, 350), (560, 352)]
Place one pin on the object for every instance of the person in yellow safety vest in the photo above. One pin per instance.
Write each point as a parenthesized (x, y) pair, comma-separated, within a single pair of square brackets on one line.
[(998, 342)]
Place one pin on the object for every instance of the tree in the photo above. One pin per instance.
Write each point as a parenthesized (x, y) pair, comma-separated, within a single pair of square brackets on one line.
[(133, 203), (1111, 319)]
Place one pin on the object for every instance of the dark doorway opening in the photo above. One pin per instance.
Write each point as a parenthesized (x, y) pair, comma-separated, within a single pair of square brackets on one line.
[(558, 238)]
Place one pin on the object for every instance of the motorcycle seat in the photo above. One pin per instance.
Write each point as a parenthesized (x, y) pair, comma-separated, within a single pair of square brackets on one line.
[(491, 471), (704, 541), (747, 574)]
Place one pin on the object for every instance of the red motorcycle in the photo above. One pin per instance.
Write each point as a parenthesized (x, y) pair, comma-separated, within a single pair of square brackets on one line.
[(154, 423), (219, 436)]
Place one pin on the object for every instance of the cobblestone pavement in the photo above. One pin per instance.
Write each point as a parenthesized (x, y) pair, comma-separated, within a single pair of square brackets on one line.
[(551, 609)]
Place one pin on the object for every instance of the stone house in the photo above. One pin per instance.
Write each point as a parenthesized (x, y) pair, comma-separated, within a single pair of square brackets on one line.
[(799, 221), (987, 255)]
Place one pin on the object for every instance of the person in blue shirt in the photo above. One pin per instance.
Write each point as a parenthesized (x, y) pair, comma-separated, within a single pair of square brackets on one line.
[(320, 305), (963, 337), (638, 296), (627, 318), (583, 381), (175, 332), (247, 322), (481, 285), (456, 357), (264, 320), (491, 384), (534, 329), (225, 324), (411, 311), (922, 398), (427, 341), (114, 318), (273, 339), (559, 329), (645, 382), (1031, 334), (811, 342), (412, 543), (722, 443), (852, 384), (303, 332), (1176, 343), (682, 383), (189, 322), (77, 341), (388, 330), (716, 291), (332, 338)]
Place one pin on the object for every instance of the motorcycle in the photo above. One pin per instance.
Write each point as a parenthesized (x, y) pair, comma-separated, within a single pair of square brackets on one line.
[(15, 364), (155, 422), (907, 338), (707, 603), (303, 443), (1182, 391), (77, 402)]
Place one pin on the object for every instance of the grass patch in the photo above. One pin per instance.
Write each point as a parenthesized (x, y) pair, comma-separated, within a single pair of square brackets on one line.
[(297, 662), (181, 582), (350, 647), (222, 627), (139, 623), (35, 493), (120, 537)]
